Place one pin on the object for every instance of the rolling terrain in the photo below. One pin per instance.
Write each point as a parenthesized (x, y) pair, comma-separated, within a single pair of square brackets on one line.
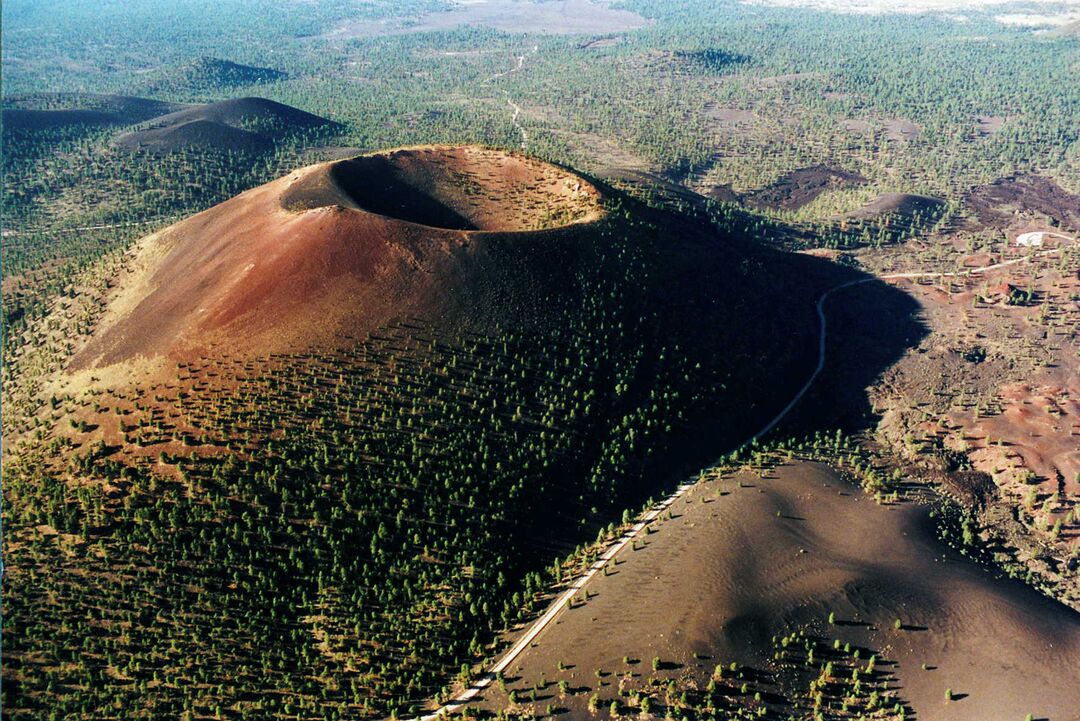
[(240, 125), (49, 111)]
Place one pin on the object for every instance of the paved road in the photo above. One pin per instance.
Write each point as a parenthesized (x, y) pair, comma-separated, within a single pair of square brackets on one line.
[(579, 583)]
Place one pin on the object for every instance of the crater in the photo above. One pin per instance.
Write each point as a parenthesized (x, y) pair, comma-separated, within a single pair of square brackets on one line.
[(466, 188)]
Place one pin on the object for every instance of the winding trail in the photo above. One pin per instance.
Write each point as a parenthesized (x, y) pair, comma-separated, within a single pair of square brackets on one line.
[(509, 101), (564, 599)]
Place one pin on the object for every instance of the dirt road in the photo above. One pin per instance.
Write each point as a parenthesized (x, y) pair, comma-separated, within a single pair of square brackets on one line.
[(509, 101)]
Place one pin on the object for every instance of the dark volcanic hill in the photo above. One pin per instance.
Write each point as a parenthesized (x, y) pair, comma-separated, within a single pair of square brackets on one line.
[(239, 125), (195, 135), (19, 119), (237, 111)]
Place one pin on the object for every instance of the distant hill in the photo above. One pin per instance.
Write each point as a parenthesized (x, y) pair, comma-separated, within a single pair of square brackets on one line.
[(208, 75), (240, 125), (1072, 30), (245, 111)]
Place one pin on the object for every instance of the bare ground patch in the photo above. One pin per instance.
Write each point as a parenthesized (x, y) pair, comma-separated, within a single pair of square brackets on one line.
[(899, 129), (555, 17), (747, 557)]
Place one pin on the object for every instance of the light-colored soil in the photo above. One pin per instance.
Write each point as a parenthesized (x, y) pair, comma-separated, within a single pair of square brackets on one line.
[(776, 554), (899, 129), (989, 124), (553, 17), (855, 125), (729, 118)]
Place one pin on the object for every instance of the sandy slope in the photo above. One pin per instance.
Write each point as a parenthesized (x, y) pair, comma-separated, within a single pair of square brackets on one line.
[(727, 573)]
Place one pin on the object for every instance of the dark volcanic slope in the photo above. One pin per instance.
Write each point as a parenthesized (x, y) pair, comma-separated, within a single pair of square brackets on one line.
[(799, 187), (19, 119), (245, 110), (999, 203), (196, 135), (780, 553), (240, 124)]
